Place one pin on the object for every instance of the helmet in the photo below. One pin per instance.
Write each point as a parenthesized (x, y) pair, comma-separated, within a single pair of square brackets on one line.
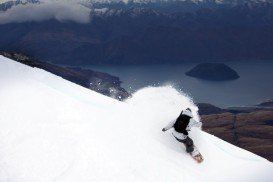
[(187, 112)]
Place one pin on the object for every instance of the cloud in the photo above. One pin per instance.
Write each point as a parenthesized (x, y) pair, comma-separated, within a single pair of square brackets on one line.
[(59, 10)]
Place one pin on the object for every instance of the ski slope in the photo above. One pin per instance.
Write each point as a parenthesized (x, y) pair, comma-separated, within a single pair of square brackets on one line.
[(54, 130)]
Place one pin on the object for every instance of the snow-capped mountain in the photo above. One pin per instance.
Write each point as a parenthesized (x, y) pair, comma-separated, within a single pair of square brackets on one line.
[(7, 4), (90, 3), (98, 7), (133, 33), (54, 130)]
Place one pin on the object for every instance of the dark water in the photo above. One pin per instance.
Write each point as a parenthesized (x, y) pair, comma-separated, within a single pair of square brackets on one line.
[(255, 84)]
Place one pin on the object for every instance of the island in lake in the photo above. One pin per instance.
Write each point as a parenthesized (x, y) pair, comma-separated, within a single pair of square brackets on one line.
[(213, 71)]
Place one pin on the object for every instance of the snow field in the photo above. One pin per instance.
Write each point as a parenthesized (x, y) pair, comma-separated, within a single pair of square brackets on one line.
[(54, 130)]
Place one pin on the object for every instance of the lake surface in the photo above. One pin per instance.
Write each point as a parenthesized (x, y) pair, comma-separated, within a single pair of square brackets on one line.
[(255, 84)]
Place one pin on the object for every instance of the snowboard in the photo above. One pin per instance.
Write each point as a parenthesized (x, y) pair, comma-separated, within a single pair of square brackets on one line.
[(196, 155), (198, 158)]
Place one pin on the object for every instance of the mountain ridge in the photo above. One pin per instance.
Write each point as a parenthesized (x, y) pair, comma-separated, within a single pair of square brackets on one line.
[(100, 82)]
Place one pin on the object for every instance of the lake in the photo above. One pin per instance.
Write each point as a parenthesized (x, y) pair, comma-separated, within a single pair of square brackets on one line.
[(255, 84)]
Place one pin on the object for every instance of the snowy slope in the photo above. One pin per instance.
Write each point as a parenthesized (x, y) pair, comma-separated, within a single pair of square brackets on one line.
[(54, 130)]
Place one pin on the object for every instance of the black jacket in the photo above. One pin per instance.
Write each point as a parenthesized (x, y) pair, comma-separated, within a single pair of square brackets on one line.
[(181, 124)]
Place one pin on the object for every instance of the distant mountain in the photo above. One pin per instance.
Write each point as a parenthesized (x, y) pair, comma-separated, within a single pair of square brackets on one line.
[(149, 32), (168, 5), (5, 5)]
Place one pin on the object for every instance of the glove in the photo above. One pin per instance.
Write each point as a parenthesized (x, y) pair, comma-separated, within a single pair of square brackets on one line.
[(163, 129)]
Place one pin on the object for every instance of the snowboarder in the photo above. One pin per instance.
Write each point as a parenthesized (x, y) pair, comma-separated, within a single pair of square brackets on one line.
[(181, 127)]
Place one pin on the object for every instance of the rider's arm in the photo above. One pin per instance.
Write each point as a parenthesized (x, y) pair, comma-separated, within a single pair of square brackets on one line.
[(195, 123), (169, 126)]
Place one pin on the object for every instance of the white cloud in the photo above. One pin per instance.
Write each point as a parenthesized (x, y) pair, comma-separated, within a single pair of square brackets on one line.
[(59, 10)]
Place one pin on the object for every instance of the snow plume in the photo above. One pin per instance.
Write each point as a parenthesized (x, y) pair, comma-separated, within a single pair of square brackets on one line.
[(59, 10), (165, 101), (161, 105)]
